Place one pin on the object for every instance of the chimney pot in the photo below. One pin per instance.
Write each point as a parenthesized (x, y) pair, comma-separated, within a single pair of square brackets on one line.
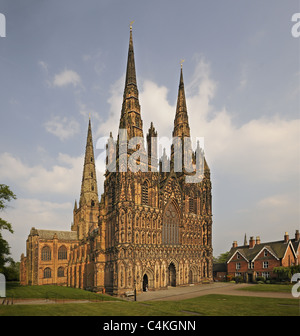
[(286, 237), (234, 244), (257, 240)]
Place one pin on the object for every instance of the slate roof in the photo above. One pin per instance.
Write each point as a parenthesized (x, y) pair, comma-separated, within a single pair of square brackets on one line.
[(277, 248), (48, 234)]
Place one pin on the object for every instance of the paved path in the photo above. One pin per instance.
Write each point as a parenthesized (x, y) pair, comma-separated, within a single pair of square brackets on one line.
[(181, 293)]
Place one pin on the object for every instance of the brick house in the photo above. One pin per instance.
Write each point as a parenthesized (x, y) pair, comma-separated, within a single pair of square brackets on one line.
[(259, 259)]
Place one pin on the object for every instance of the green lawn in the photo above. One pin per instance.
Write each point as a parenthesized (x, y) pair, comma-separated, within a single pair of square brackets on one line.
[(14, 290)]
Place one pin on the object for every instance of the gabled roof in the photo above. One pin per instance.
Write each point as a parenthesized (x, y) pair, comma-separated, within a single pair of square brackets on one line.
[(61, 235), (237, 251), (277, 249)]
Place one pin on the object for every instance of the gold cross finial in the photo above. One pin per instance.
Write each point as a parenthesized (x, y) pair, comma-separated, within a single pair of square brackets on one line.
[(89, 115), (131, 23), (181, 62)]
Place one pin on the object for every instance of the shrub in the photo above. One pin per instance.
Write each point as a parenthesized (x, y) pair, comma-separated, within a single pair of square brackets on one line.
[(238, 279), (260, 279)]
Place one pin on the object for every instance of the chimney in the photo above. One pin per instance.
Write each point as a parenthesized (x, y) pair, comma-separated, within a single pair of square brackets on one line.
[(297, 236), (234, 244), (286, 237), (257, 240), (251, 242)]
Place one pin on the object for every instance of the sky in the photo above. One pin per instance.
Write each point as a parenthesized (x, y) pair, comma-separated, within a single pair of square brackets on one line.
[(62, 61)]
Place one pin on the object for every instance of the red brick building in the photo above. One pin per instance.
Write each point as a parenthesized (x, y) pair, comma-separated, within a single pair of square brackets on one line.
[(259, 259)]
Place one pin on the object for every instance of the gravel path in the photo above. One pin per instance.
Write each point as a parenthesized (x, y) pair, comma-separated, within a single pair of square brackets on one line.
[(181, 293)]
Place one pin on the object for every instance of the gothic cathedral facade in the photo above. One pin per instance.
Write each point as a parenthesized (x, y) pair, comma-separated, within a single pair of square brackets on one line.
[(150, 230)]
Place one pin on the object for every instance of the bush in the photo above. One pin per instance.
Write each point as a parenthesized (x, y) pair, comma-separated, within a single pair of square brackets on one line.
[(238, 279), (260, 279), (260, 282)]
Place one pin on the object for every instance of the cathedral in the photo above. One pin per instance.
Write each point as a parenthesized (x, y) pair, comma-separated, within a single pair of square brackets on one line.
[(151, 227)]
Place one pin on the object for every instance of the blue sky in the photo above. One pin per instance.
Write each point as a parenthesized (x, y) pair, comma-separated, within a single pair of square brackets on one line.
[(63, 60)]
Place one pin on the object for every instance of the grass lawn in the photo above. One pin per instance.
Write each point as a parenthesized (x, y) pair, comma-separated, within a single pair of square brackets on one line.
[(13, 289)]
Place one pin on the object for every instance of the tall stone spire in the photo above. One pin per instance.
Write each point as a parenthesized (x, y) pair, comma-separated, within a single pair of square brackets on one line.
[(131, 114), (181, 152), (181, 122), (89, 192)]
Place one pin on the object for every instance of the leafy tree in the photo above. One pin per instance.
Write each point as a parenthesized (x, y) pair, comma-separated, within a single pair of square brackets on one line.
[(6, 195), (222, 258)]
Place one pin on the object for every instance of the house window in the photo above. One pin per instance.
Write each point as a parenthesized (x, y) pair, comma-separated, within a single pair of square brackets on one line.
[(266, 275), (265, 264), (238, 266), (265, 253), (251, 265), (62, 253), (238, 274), (60, 272), (46, 253), (237, 256), (47, 273)]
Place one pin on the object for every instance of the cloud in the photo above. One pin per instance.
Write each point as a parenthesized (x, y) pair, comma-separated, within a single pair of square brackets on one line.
[(264, 149), (63, 128), (67, 77), (30, 212), (62, 178)]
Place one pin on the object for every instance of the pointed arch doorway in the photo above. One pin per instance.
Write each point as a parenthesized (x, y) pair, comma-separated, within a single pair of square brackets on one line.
[(172, 275), (145, 283)]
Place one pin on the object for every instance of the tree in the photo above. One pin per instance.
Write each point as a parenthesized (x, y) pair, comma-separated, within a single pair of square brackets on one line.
[(222, 258), (6, 195)]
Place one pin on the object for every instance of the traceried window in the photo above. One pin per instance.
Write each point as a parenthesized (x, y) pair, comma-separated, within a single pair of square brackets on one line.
[(191, 205), (62, 253), (60, 272), (47, 273), (170, 232), (46, 253), (145, 193)]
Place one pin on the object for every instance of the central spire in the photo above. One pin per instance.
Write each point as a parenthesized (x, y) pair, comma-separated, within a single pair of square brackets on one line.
[(89, 193)]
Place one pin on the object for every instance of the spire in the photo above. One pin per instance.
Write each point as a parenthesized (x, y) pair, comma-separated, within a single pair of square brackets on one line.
[(131, 115), (89, 193), (181, 122), (245, 240), (130, 72)]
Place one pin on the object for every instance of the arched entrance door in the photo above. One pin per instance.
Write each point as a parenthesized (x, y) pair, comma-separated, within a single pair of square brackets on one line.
[(172, 275), (191, 277), (145, 283)]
